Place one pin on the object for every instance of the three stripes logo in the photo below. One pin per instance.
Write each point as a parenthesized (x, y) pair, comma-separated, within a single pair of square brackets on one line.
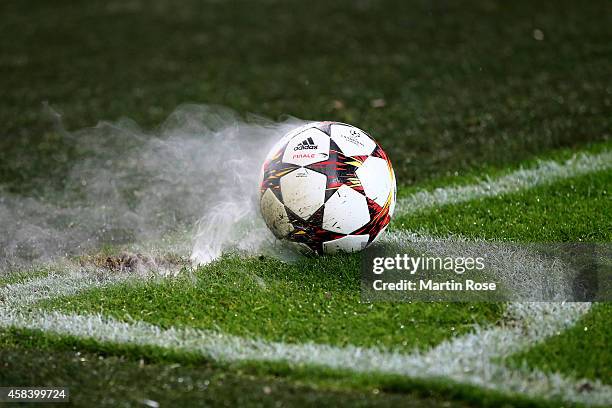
[(306, 144)]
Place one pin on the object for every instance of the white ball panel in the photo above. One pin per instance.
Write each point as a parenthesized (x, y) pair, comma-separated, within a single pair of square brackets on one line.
[(273, 212), (349, 243), (345, 211), (307, 147), (303, 191), (376, 179), (351, 140)]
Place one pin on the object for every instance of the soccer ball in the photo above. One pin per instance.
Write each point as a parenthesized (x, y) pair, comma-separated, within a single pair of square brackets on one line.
[(327, 187)]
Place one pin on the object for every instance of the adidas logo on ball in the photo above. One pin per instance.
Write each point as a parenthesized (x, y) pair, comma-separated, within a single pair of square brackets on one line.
[(306, 144)]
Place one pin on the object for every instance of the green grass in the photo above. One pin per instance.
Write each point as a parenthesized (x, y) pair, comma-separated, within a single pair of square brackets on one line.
[(582, 351), (571, 210), (468, 90), (458, 95), (314, 300)]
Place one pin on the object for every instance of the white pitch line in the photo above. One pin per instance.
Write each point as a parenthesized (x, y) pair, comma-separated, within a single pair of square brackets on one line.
[(16, 296), (469, 359), (544, 172)]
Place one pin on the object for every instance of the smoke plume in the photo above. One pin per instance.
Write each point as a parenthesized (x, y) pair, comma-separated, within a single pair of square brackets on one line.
[(188, 187)]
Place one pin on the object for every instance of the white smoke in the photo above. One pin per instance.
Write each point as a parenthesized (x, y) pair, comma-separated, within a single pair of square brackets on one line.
[(188, 187)]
